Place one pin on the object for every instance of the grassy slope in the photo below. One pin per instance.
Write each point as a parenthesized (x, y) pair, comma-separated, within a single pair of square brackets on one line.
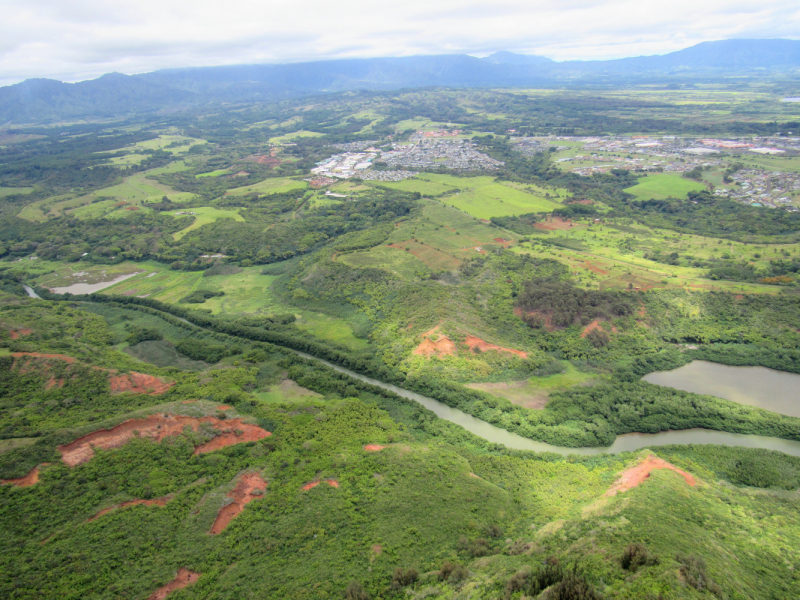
[(664, 185)]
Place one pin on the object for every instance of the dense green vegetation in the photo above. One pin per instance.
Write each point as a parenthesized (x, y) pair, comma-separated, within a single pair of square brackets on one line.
[(527, 296)]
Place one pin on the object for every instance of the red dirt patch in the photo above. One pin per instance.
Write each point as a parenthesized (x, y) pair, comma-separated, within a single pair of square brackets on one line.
[(15, 335), (156, 502), (138, 383), (313, 484), (26, 481), (473, 475), (594, 268), (131, 208), (184, 578), (373, 448), (157, 427), (633, 476), (242, 495), (224, 407), (476, 342), (443, 346), (595, 325), (553, 224), (263, 159)]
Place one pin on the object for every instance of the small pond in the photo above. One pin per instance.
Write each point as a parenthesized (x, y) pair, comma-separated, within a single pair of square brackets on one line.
[(777, 391)]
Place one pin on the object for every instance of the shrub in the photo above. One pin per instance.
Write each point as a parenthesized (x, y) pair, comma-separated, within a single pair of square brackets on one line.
[(355, 591), (402, 578), (635, 556)]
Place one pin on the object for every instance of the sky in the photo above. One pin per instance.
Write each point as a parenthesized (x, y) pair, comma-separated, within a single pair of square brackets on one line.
[(74, 40)]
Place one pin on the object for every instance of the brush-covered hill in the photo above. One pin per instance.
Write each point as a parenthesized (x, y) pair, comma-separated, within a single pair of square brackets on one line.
[(234, 481)]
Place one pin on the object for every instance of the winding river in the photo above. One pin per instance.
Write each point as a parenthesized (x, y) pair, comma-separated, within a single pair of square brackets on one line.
[(624, 443)]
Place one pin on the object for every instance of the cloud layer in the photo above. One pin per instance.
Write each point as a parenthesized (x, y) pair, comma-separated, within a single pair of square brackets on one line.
[(82, 39)]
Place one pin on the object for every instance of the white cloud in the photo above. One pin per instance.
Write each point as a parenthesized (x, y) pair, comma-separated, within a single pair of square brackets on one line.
[(83, 39)]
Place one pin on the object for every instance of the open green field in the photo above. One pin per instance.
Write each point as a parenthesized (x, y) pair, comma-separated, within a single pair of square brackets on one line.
[(159, 282), (287, 391), (8, 191), (203, 216), (330, 328), (394, 260), (533, 393), (294, 135), (484, 197), (216, 173), (664, 185), (247, 291), (113, 201), (274, 185), (481, 197)]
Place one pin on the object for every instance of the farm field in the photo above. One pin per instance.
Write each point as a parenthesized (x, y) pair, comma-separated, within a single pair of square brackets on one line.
[(482, 197), (274, 185), (664, 185), (8, 191), (203, 216)]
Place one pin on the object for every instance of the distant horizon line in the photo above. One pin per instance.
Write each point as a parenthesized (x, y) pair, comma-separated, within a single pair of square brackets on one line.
[(477, 55)]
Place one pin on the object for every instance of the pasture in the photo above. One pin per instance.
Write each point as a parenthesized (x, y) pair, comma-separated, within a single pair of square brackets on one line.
[(482, 197), (664, 185), (203, 216), (274, 185)]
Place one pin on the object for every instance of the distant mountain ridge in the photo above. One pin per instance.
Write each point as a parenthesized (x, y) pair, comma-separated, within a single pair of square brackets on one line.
[(41, 100)]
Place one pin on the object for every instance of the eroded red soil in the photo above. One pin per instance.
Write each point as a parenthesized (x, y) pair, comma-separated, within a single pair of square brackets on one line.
[(553, 224), (374, 447), (157, 427), (313, 484), (138, 383), (441, 346), (28, 480), (18, 333), (635, 475), (242, 495), (594, 268), (156, 502), (595, 325), (476, 342), (184, 578)]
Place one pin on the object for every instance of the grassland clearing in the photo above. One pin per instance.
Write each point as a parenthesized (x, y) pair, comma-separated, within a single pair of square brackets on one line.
[(203, 216), (275, 185), (246, 292), (159, 282), (534, 392), (484, 197), (664, 185), (9, 191), (294, 135), (330, 328), (287, 391), (130, 194)]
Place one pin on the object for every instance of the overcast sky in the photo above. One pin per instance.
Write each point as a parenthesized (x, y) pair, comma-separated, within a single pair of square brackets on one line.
[(74, 40)]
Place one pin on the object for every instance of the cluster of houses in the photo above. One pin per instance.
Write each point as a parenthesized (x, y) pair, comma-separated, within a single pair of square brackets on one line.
[(758, 187), (455, 154)]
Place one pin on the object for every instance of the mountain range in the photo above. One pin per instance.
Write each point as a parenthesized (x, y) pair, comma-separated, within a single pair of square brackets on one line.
[(115, 94)]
